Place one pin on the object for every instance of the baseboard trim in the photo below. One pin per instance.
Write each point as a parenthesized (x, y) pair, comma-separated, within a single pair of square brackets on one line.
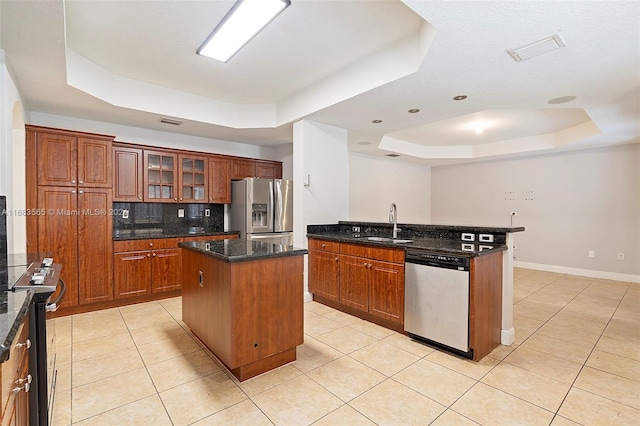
[(507, 337), (577, 271), (308, 297)]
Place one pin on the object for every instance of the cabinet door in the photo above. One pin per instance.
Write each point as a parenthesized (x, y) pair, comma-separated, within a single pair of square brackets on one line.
[(267, 170), (324, 277), (354, 285), (386, 291), (132, 274), (219, 180), (128, 174), (160, 169), (94, 163), (95, 245), (56, 159), (57, 234), (193, 179), (166, 270), (242, 169)]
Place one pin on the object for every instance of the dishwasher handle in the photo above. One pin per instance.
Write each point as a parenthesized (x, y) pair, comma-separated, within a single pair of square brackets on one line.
[(438, 260)]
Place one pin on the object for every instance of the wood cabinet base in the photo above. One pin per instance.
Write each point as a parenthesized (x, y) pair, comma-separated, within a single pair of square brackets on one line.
[(391, 325), (262, 366)]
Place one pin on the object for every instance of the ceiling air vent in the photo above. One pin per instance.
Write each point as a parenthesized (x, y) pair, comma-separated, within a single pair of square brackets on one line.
[(170, 121), (537, 48), (393, 155)]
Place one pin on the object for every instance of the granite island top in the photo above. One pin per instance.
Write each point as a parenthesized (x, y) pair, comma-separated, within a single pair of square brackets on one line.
[(144, 234), (14, 306), (237, 250)]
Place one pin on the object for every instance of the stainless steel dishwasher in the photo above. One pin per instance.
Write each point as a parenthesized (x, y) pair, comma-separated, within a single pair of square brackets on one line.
[(437, 300)]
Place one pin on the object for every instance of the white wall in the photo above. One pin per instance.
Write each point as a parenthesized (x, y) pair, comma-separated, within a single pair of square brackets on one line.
[(569, 203), (375, 183), (320, 157)]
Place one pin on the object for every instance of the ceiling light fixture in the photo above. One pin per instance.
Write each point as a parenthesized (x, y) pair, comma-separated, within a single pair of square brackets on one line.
[(561, 100), (393, 155), (376, 121), (460, 98), (537, 48), (413, 110), (245, 19), (364, 143)]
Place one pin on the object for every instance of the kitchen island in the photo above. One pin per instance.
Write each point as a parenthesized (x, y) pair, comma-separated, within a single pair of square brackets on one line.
[(244, 301)]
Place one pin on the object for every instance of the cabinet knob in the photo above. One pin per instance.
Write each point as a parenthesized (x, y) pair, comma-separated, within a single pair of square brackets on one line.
[(139, 198), (80, 182), (26, 344), (150, 244), (180, 199), (154, 255), (80, 192), (73, 181), (175, 199), (337, 258), (324, 245), (27, 380), (148, 255), (73, 191), (364, 264)]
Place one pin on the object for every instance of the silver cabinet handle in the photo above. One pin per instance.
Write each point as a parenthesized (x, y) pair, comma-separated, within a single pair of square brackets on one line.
[(27, 380), (26, 344)]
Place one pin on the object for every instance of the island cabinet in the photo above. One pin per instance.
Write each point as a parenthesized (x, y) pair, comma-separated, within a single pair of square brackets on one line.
[(362, 280), (16, 380)]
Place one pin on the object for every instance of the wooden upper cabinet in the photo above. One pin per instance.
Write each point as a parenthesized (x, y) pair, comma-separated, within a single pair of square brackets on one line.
[(56, 159), (219, 180), (268, 170), (127, 170), (160, 176), (241, 169), (193, 179), (94, 162)]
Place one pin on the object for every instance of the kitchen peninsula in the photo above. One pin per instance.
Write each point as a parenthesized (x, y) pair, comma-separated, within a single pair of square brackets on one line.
[(243, 299)]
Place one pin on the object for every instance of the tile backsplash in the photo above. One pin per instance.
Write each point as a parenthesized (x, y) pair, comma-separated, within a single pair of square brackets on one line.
[(163, 218)]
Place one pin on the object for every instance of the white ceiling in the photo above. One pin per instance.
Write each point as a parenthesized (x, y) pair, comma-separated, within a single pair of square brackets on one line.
[(343, 63)]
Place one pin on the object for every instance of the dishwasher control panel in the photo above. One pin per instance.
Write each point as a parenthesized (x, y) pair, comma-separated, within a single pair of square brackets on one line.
[(437, 259)]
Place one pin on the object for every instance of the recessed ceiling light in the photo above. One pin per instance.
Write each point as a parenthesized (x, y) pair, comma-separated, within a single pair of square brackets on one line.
[(561, 100), (170, 121), (364, 143), (460, 98), (393, 155), (413, 110), (376, 121), (537, 48)]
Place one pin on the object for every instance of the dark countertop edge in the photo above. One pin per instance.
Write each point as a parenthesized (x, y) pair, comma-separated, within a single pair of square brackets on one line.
[(8, 340), (242, 258), (405, 246), (162, 236), (436, 227)]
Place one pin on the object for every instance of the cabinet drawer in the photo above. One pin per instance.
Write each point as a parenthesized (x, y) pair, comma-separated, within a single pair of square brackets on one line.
[(322, 245), (373, 253), (150, 244)]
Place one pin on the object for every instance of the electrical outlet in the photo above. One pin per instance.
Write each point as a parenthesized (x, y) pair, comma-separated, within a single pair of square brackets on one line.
[(125, 214), (207, 212), (620, 256), (355, 229), (592, 253), (180, 212)]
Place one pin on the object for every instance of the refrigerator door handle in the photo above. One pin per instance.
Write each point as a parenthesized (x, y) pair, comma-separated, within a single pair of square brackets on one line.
[(270, 207), (277, 206)]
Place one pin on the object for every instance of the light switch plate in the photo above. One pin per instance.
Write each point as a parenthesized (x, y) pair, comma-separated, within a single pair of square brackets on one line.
[(180, 212)]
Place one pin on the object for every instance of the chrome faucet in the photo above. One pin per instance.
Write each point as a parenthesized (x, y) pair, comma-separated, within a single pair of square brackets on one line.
[(393, 218)]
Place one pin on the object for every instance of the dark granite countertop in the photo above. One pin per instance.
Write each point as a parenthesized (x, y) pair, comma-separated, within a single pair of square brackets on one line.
[(241, 250), (145, 234), (14, 306), (435, 245), (459, 228)]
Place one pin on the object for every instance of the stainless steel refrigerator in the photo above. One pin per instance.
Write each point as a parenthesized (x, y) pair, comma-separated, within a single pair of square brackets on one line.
[(262, 210)]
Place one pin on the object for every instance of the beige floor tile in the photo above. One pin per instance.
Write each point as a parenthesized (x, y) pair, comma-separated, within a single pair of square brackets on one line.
[(473, 369), (623, 329), (300, 401), (615, 364), (96, 317), (100, 367), (61, 415), (406, 407), (372, 329), (489, 406), (522, 334), (631, 313), (313, 353), (590, 409), (155, 320), (63, 377), (162, 331), (346, 339), (579, 321), (107, 394), (201, 398), (561, 421), (243, 413), (624, 348), (346, 378), (569, 335), (528, 323), (544, 364), (63, 336), (539, 390), (385, 358), (145, 411), (317, 308), (101, 346), (539, 312), (318, 325), (269, 380), (181, 369), (162, 350), (435, 381), (344, 415), (63, 355), (607, 289), (142, 309), (408, 344), (91, 331), (307, 314), (620, 389), (502, 351), (341, 317), (451, 418), (544, 276), (559, 348)]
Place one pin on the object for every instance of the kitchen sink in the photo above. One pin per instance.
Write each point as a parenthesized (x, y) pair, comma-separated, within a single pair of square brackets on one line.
[(390, 240)]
